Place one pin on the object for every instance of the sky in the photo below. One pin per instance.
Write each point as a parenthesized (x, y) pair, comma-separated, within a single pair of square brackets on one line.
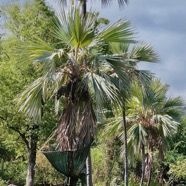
[(162, 24)]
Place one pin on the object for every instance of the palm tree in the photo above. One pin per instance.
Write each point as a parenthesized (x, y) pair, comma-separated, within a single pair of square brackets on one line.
[(84, 11), (133, 55), (74, 71), (153, 119)]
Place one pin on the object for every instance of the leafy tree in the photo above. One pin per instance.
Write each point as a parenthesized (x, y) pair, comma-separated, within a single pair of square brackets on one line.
[(23, 22), (174, 155)]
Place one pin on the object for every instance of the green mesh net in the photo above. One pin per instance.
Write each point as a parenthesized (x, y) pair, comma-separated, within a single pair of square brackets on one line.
[(69, 163)]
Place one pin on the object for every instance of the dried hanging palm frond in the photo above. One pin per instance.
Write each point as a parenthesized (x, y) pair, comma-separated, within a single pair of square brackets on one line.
[(87, 126), (66, 130), (77, 124), (148, 163)]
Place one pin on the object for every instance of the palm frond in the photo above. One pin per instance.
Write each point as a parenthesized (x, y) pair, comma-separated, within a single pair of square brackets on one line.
[(30, 101), (144, 79), (119, 31), (137, 135), (108, 2), (143, 52), (104, 90), (41, 90), (114, 127), (166, 124), (72, 29), (120, 48), (36, 50), (173, 107)]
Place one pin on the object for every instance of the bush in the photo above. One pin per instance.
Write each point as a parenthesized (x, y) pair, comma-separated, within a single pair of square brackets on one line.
[(3, 183), (15, 172), (45, 173), (177, 171)]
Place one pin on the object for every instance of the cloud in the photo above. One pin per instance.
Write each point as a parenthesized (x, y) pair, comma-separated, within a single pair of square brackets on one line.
[(162, 25)]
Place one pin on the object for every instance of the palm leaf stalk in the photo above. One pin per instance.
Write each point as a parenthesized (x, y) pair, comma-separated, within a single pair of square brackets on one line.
[(125, 145)]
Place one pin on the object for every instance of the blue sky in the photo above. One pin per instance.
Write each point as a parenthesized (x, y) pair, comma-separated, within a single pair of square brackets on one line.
[(162, 24)]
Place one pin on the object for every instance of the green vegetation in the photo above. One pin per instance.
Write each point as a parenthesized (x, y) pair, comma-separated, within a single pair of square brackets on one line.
[(76, 77)]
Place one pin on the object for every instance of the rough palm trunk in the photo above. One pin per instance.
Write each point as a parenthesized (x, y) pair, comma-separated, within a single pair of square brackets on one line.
[(149, 178), (143, 164), (125, 146), (150, 168), (31, 160), (89, 170), (161, 158)]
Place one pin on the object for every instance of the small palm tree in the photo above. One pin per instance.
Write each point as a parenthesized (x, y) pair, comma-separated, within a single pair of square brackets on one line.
[(133, 55), (154, 119)]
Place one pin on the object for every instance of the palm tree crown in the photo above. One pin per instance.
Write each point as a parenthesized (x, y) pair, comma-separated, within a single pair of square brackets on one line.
[(76, 70)]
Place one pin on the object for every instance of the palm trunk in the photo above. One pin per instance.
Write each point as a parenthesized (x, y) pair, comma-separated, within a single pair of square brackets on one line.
[(125, 146), (151, 168), (143, 164), (161, 158), (150, 177), (84, 7), (73, 181), (2, 166), (89, 170), (31, 160)]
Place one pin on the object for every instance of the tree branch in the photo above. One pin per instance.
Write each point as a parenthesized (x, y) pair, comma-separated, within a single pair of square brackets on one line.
[(20, 134)]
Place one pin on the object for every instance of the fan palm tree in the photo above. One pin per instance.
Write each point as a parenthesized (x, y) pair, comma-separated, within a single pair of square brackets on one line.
[(154, 120), (84, 11), (133, 55), (75, 70)]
